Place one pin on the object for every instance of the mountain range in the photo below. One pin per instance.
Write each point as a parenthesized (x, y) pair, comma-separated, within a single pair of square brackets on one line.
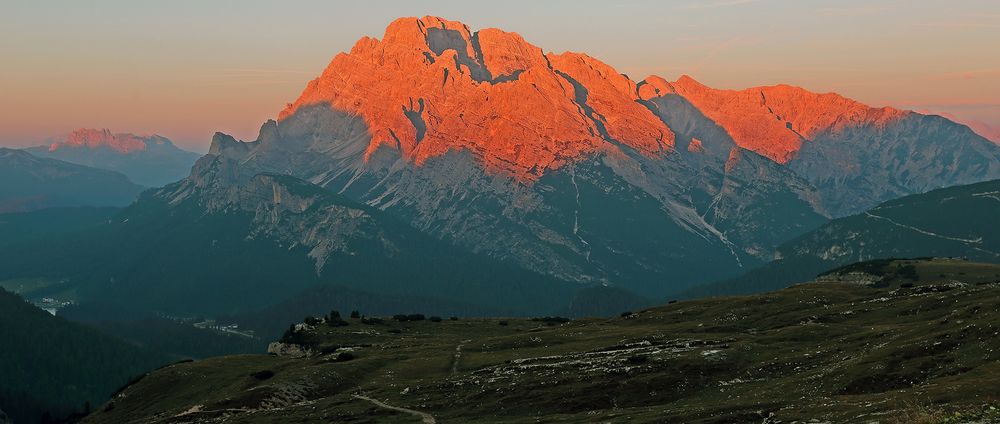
[(562, 165), (458, 173), (440, 145), (149, 160)]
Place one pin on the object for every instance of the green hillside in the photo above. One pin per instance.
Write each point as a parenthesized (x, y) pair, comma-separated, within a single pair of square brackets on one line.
[(891, 341), (53, 367)]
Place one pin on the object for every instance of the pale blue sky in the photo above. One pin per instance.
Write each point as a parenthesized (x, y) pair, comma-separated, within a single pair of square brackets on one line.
[(188, 68)]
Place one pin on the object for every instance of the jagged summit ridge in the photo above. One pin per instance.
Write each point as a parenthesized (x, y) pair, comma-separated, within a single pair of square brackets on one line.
[(773, 121), (431, 85)]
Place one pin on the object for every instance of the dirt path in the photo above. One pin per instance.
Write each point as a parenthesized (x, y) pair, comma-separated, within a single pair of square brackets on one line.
[(425, 417), (924, 232)]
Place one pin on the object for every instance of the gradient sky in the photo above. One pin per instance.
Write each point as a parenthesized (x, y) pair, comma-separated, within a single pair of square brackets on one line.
[(188, 68)]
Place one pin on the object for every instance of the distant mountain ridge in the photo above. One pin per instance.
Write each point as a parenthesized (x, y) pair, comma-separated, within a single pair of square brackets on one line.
[(150, 160), (481, 143), (95, 139), (29, 183)]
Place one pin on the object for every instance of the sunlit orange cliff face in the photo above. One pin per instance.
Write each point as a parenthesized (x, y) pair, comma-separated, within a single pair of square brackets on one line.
[(772, 121), (94, 139), (431, 85)]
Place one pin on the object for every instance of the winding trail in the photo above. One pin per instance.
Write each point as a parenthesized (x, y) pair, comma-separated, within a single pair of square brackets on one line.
[(995, 195), (971, 242), (924, 232), (424, 417)]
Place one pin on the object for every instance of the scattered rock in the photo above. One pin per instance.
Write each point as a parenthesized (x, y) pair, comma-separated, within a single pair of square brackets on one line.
[(290, 350)]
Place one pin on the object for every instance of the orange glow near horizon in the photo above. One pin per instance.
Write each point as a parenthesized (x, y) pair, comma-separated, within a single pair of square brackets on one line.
[(187, 69)]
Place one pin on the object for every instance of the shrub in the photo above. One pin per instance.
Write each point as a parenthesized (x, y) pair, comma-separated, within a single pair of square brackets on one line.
[(551, 320), (627, 314), (504, 323), (410, 317), (453, 318), (395, 330), (906, 285), (371, 320), (311, 320), (909, 272), (289, 335), (344, 356), (263, 374), (637, 359), (355, 314), (435, 319)]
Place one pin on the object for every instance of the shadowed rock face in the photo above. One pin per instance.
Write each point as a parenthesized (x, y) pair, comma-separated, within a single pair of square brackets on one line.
[(987, 131), (562, 165), (680, 212)]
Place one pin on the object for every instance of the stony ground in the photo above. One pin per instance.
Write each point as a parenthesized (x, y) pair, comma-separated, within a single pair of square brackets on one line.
[(889, 342)]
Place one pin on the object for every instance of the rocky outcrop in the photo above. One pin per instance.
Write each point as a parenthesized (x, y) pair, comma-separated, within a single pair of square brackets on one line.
[(284, 210), (289, 350)]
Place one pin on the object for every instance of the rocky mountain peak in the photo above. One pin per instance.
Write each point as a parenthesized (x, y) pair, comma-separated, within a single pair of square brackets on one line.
[(90, 138), (431, 86)]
